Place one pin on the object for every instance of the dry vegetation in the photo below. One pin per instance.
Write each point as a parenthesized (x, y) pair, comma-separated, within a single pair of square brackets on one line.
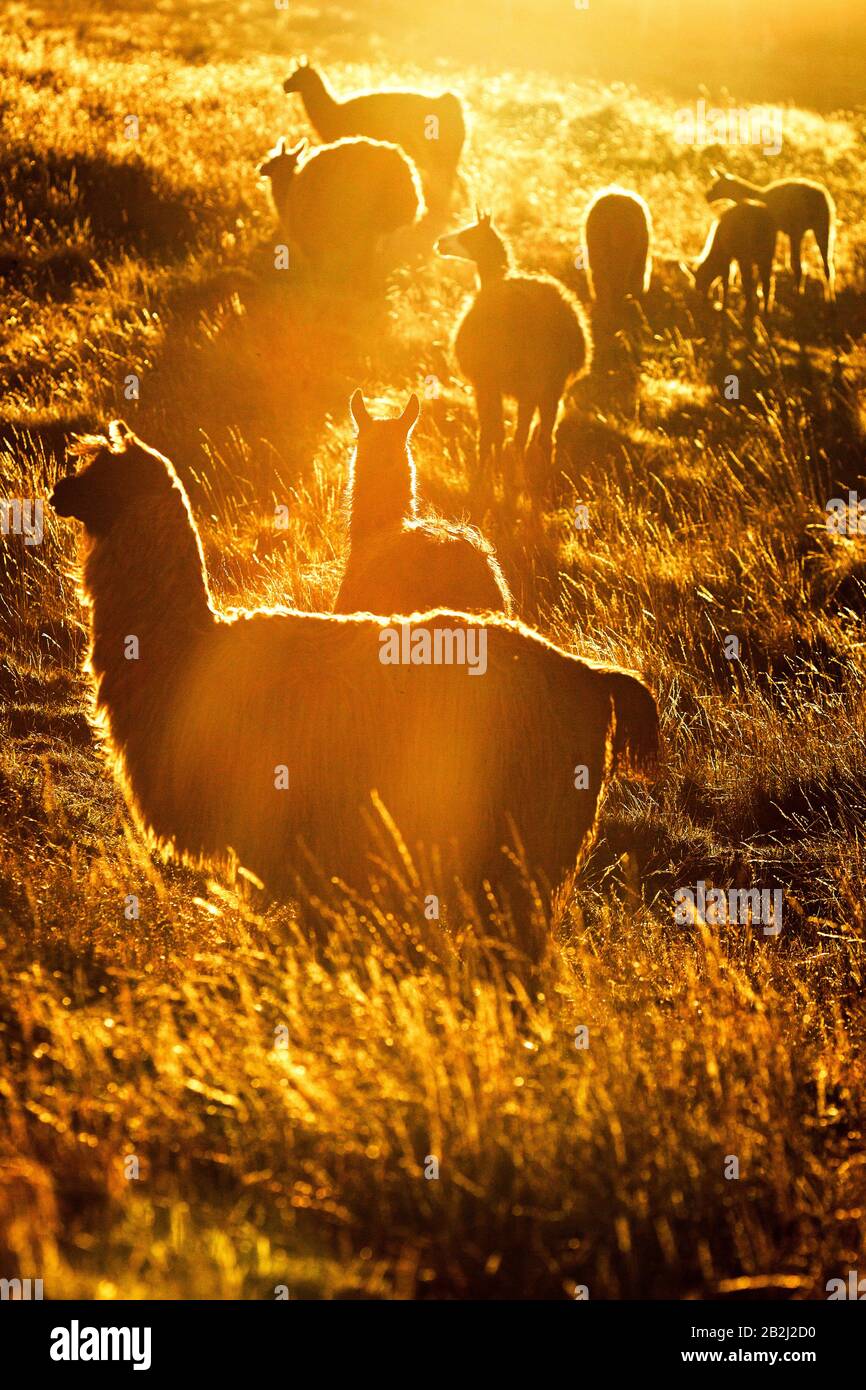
[(304, 1165)]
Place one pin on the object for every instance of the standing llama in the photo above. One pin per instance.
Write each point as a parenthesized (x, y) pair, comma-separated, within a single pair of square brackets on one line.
[(401, 562), (797, 207), (338, 204), (746, 234), (431, 129), (279, 737), (617, 233), (523, 336)]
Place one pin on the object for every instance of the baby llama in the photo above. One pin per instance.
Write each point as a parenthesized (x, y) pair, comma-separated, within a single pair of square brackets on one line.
[(744, 234), (401, 562), (797, 206), (276, 735)]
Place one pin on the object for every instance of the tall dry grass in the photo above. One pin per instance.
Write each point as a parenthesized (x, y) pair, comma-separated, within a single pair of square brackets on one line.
[(283, 1075)]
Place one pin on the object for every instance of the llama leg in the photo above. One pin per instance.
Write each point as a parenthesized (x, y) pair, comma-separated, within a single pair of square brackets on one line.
[(525, 412), (766, 274), (829, 268), (797, 260), (515, 467), (491, 429), (548, 411), (747, 274)]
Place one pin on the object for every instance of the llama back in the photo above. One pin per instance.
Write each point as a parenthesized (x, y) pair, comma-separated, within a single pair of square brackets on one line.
[(423, 564), (618, 247), (354, 188), (495, 748), (430, 129), (793, 202)]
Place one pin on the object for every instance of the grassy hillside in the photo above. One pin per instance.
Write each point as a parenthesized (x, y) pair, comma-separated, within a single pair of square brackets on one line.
[(282, 1075)]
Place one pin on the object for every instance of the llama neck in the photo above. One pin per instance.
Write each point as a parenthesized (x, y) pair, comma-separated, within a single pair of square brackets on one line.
[(145, 581), (749, 190), (281, 183), (494, 263), (321, 105), (380, 496)]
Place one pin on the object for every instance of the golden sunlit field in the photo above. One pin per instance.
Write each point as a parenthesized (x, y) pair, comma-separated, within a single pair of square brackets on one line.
[(279, 1076)]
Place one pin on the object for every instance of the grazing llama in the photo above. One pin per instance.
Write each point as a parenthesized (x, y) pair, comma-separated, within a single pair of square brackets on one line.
[(797, 207), (745, 234), (401, 562), (617, 233), (280, 736), (523, 336), (431, 129), (338, 204)]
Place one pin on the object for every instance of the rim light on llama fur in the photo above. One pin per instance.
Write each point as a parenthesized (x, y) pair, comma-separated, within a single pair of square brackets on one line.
[(216, 706)]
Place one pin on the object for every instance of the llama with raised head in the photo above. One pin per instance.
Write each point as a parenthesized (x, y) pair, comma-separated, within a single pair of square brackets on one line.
[(797, 206), (523, 336), (431, 129), (617, 236), (277, 736), (338, 204), (745, 235), (400, 561)]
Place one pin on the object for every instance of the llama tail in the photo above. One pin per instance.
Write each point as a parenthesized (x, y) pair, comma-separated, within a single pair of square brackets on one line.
[(636, 740)]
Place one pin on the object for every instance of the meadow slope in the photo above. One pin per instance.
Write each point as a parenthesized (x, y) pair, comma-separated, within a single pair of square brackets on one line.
[(282, 1088)]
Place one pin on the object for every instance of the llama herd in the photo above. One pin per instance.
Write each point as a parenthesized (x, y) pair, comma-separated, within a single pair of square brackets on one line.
[(286, 740)]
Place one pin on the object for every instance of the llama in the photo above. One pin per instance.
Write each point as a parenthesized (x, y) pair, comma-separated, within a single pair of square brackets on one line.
[(797, 207), (431, 129), (278, 736), (523, 336), (337, 204), (617, 232), (401, 562), (745, 233)]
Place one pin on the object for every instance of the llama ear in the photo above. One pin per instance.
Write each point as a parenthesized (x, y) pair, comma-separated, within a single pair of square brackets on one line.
[(411, 411), (359, 411), (118, 435), (281, 145), (297, 150)]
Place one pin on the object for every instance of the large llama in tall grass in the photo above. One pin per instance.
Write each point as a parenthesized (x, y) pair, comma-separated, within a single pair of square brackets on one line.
[(401, 561), (285, 736)]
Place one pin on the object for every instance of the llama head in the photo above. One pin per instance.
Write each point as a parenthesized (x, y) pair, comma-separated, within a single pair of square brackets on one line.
[(480, 242), (118, 473), (382, 481), (386, 436), (723, 186), (282, 160), (301, 79)]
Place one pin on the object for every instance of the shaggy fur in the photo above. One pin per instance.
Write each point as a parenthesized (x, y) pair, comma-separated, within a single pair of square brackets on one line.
[(217, 702), (338, 203), (402, 118), (524, 336), (400, 562), (745, 234), (617, 234), (797, 207)]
